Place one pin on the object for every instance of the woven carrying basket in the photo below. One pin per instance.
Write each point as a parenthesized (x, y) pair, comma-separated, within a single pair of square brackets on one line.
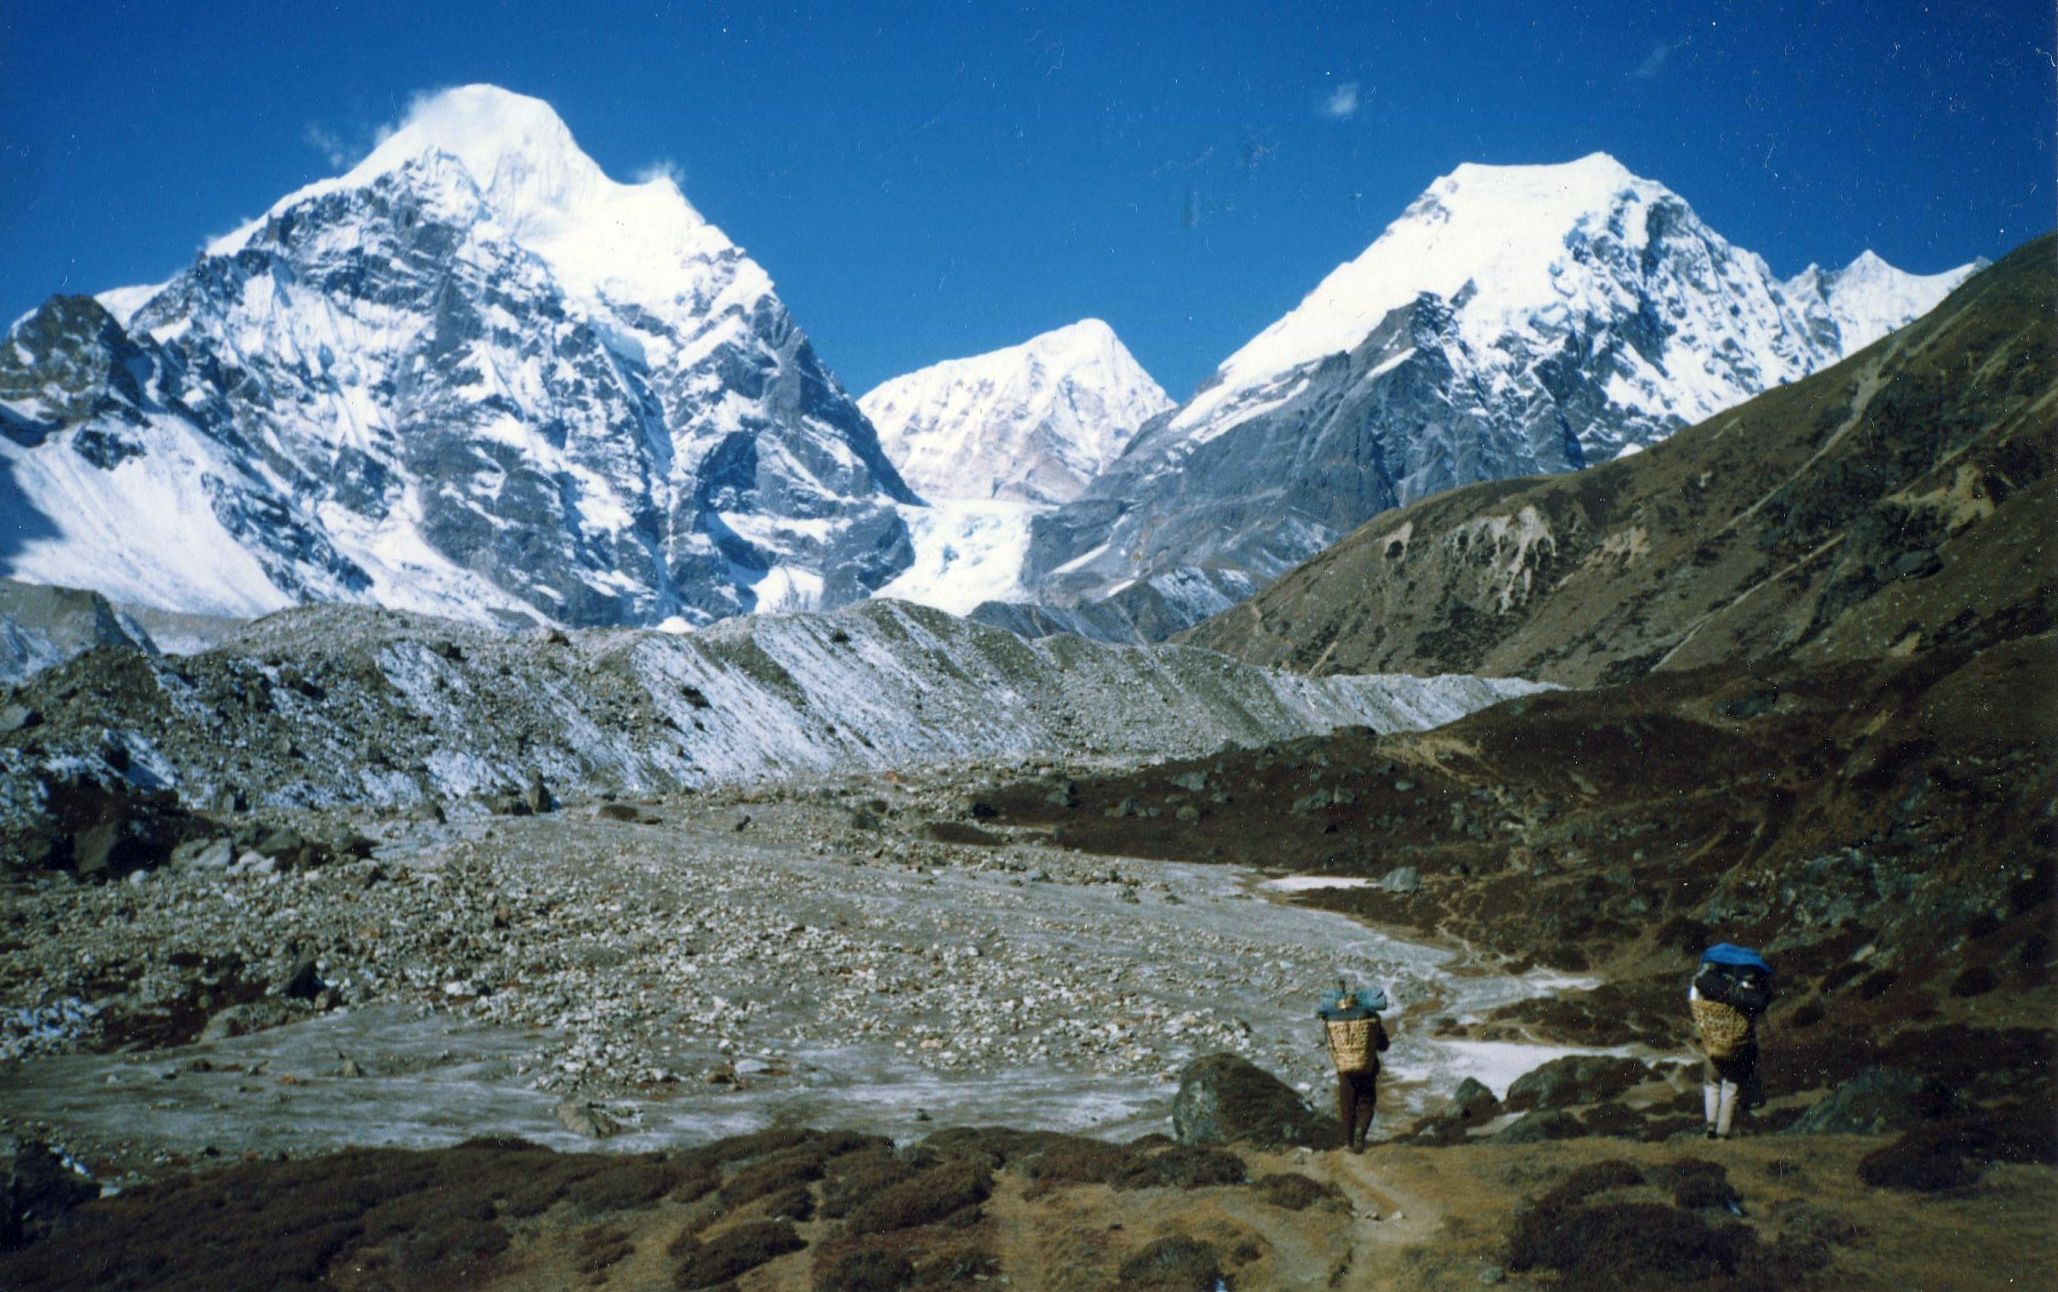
[(1724, 1029), (1351, 1045)]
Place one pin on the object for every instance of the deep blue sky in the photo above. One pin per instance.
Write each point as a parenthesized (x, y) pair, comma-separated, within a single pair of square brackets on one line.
[(930, 180)]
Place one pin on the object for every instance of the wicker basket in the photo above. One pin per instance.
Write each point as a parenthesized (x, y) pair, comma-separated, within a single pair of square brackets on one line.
[(1352, 1045), (1725, 1030)]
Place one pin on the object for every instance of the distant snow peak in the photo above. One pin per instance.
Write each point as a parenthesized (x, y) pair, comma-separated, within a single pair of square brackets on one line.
[(1512, 320), (1869, 298), (1031, 423)]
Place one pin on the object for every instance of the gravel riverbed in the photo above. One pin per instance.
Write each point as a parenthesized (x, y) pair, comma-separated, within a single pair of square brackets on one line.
[(713, 964)]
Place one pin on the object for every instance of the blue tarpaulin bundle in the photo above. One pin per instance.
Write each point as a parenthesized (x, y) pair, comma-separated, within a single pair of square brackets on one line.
[(1372, 998), (1728, 953)]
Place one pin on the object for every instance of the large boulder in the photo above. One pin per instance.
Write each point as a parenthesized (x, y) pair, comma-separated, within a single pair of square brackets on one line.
[(99, 831), (1874, 1102), (1226, 1099), (1574, 1080), (41, 1188)]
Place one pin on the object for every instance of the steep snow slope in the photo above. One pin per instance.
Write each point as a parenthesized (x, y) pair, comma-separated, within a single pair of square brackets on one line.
[(1031, 423), (1513, 320), (345, 704), (472, 375)]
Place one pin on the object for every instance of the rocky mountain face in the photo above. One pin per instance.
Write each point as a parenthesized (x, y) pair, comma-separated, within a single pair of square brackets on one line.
[(1895, 503), (339, 705), (473, 376), (1514, 320), (1031, 423)]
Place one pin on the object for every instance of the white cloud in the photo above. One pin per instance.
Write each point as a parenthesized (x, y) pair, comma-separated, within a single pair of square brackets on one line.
[(1342, 102), (1654, 62), (662, 169), (326, 142)]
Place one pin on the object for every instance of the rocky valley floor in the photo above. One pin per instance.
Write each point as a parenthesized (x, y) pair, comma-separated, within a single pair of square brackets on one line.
[(626, 1013)]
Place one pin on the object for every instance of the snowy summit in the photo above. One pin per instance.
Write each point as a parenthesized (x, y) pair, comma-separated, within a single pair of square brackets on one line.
[(1512, 320), (1031, 423), (472, 376)]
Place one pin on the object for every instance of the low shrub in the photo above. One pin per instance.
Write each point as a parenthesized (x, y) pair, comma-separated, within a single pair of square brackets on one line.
[(1293, 1191), (1927, 1159), (851, 1179), (629, 1185), (1174, 1264), (774, 1174), (706, 1263), (1695, 1183), (864, 1269), (923, 1199), (1184, 1168)]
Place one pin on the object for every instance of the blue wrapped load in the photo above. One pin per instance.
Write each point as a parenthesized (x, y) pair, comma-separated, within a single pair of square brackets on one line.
[(1728, 953), (1367, 1000)]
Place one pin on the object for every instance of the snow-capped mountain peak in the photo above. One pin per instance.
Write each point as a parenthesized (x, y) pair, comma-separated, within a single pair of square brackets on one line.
[(1033, 422), (1869, 298), (1503, 237), (472, 375), (1512, 320), (641, 242)]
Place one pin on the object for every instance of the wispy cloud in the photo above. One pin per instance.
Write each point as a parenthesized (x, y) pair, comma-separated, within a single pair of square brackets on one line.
[(328, 143), (1654, 62), (663, 168), (1342, 102)]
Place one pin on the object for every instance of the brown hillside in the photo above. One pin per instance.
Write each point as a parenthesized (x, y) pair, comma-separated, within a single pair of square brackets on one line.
[(1895, 502)]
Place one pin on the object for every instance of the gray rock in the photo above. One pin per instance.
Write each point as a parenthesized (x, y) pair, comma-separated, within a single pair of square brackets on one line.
[(536, 795), (1402, 880), (1226, 1099), (205, 854), (1874, 1102), (588, 1119), (1573, 1080), (242, 1020), (303, 983), (1543, 1124), (1473, 1101), (18, 717)]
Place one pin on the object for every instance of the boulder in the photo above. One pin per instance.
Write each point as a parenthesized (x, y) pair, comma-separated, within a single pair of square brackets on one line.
[(587, 1119), (536, 795), (1543, 1124), (1402, 880), (1226, 1099), (104, 832), (205, 854), (241, 1020), (1473, 1102), (1874, 1102), (41, 1189), (304, 983), (1575, 1079)]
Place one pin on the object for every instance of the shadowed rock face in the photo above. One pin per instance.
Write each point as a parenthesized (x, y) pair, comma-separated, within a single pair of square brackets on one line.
[(1897, 502)]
